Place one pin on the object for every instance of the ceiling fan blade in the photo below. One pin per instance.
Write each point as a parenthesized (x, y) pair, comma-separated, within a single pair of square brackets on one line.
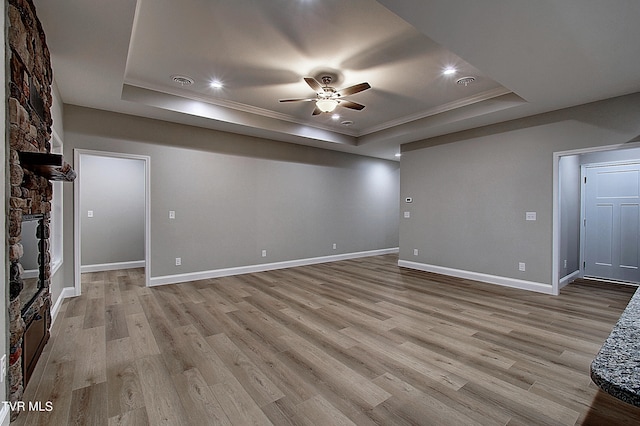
[(313, 83), (354, 89), (316, 111), (350, 104), (298, 100)]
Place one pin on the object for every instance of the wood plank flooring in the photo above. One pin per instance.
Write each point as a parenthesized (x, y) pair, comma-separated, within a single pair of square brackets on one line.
[(359, 342)]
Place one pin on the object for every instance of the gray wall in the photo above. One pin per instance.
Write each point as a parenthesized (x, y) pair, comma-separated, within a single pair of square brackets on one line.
[(471, 189), (114, 190), (235, 196)]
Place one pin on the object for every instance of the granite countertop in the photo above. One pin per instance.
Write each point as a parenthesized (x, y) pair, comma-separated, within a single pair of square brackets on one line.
[(616, 368)]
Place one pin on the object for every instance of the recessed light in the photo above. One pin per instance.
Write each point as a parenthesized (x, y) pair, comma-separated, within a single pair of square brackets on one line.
[(216, 84), (335, 116), (398, 155), (182, 80), (449, 71)]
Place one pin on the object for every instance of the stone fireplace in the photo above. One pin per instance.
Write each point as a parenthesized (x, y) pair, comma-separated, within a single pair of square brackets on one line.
[(29, 109)]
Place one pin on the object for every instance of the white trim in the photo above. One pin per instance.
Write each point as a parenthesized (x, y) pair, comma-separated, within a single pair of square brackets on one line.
[(5, 418), (30, 273), (65, 294), (112, 266), (217, 273), (460, 103), (55, 265), (608, 280), (477, 276), (77, 155), (76, 226), (56, 224), (568, 278), (555, 225), (581, 224)]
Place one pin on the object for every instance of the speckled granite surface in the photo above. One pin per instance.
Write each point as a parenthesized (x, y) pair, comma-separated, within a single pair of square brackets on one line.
[(616, 368)]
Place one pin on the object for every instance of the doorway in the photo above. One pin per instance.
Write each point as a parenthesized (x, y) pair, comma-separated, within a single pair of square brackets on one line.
[(108, 185), (611, 221), (568, 227)]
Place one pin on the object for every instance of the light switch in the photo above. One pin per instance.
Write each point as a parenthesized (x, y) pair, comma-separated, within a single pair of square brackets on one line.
[(530, 215), (172, 214), (89, 213)]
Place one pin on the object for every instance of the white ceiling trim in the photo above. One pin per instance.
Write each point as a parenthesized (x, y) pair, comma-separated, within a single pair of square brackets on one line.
[(460, 103), (219, 113), (237, 106)]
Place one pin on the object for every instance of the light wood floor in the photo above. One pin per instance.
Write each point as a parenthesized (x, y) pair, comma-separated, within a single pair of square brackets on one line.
[(354, 342)]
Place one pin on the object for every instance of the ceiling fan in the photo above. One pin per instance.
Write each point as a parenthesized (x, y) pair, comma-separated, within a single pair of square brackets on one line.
[(328, 98)]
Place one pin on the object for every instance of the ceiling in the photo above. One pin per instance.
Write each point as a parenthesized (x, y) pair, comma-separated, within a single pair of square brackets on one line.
[(527, 57)]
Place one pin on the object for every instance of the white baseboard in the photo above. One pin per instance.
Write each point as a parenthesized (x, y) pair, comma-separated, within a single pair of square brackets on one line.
[(112, 266), (568, 278), (217, 273), (66, 293), (476, 276)]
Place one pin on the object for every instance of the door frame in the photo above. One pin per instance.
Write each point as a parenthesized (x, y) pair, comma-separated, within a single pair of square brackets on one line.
[(556, 231), (583, 207), (78, 154)]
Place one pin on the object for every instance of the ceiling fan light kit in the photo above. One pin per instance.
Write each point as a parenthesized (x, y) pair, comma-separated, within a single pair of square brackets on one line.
[(326, 105), (328, 98)]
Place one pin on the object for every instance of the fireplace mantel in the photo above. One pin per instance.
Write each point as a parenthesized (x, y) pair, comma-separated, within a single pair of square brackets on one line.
[(50, 166)]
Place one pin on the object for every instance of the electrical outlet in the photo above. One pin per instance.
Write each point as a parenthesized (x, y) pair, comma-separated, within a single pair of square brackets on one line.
[(178, 261), (89, 213), (407, 215), (565, 264), (264, 253), (415, 252), (335, 246), (3, 367), (521, 266), (172, 214)]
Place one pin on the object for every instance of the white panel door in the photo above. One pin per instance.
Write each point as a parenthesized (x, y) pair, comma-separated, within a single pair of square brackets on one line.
[(612, 222)]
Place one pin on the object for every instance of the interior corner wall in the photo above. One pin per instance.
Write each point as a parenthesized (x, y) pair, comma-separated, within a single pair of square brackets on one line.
[(471, 190), (569, 210), (235, 196)]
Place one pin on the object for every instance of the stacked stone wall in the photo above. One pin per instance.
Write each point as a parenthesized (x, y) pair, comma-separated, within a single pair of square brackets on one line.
[(29, 110)]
